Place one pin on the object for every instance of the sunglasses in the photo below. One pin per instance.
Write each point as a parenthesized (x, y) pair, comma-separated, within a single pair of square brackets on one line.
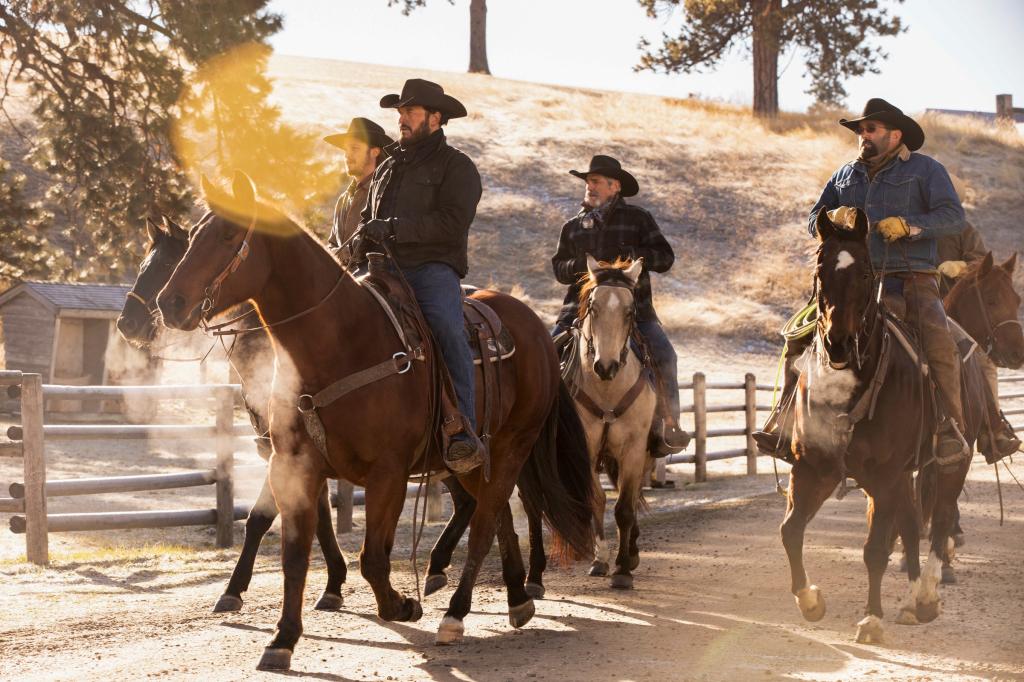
[(870, 128)]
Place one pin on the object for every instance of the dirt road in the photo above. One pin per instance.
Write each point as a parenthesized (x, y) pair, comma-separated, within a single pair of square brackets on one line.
[(711, 603)]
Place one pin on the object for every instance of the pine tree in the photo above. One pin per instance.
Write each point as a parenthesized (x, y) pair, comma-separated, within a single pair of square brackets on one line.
[(832, 34)]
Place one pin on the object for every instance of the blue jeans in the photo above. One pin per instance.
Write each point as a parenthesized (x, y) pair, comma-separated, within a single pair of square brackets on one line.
[(439, 295)]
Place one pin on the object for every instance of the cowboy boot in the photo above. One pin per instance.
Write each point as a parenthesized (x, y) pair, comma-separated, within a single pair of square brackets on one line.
[(666, 438), (776, 439), (999, 442), (950, 446), (465, 452)]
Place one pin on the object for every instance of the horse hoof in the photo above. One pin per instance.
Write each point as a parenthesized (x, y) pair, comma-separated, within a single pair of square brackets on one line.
[(227, 603), (811, 603), (622, 581), (330, 602), (948, 575), (869, 630), (928, 611), (907, 616), (449, 631), (518, 616), (598, 569), (434, 582), (535, 590), (411, 611), (275, 659)]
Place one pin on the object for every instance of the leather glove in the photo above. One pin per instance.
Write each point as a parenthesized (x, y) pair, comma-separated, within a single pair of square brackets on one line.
[(377, 230), (952, 268), (893, 228), (844, 217)]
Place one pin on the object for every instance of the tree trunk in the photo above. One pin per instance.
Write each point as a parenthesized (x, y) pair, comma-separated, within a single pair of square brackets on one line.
[(766, 57), (478, 37)]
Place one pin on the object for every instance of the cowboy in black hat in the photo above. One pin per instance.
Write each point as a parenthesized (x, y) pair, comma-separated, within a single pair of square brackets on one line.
[(363, 144), (421, 203), (910, 203), (607, 228)]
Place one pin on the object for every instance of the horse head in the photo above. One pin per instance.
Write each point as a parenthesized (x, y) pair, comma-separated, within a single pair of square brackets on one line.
[(984, 302), (220, 268), (843, 286), (607, 310), (137, 322)]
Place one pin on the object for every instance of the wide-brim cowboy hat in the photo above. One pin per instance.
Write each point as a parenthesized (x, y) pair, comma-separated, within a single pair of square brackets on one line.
[(610, 168), (417, 91), (878, 109), (364, 130)]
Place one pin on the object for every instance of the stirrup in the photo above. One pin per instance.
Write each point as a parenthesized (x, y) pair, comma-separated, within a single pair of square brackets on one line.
[(464, 454)]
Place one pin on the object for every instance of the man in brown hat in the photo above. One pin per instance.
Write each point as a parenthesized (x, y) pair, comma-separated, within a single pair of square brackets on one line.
[(422, 201), (363, 145), (910, 204), (607, 228)]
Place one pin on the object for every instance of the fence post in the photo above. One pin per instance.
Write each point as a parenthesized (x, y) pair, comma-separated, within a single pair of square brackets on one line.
[(750, 409), (435, 508), (345, 492), (1004, 107), (225, 468), (36, 538), (700, 428)]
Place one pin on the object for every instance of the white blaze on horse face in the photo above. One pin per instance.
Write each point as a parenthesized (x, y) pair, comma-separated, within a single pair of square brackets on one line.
[(844, 260)]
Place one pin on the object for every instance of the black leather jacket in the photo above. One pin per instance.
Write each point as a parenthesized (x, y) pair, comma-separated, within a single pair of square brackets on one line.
[(432, 190)]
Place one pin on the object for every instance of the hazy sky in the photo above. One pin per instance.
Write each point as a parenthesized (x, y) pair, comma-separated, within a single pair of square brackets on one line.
[(957, 54)]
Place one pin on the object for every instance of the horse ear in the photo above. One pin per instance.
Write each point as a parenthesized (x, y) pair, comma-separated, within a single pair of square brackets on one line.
[(153, 230), (591, 264), (210, 190), (244, 190), (986, 265), (860, 227), (825, 228), (175, 230), (634, 270), (1010, 263)]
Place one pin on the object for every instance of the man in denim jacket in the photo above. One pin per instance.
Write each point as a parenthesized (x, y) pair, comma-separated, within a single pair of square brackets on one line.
[(910, 203)]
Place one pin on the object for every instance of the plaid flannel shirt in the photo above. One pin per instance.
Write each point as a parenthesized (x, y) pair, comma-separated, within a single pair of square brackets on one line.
[(627, 232)]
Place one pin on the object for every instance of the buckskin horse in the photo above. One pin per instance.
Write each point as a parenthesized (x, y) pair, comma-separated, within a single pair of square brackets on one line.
[(860, 396), (249, 353), (326, 327), (615, 398)]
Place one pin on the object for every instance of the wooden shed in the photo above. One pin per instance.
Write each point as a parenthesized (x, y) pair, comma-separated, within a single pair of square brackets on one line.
[(60, 330)]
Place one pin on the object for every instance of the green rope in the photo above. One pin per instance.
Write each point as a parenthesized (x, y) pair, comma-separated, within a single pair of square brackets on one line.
[(798, 326)]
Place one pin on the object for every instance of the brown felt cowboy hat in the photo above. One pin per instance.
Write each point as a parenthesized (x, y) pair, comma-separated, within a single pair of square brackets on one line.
[(364, 130), (417, 91), (610, 168), (878, 109)]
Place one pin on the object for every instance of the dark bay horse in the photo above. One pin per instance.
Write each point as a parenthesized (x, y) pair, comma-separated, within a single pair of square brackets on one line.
[(984, 302), (326, 326), (862, 410)]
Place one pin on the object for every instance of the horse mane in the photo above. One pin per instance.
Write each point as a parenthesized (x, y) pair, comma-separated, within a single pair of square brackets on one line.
[(606, 272)]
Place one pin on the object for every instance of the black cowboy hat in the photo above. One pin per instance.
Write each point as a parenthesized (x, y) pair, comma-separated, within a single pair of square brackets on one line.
[(610, 168), (425, 94), (878, 109), (364, 130)]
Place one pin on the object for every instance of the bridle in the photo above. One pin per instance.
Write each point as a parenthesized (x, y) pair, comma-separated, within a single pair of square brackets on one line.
[(870, 311), (988, 343), (591, 313), (210, 293)]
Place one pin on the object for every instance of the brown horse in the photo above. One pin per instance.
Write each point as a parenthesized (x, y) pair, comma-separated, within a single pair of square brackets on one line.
[(326, 326), (985, 304), (863, 411)]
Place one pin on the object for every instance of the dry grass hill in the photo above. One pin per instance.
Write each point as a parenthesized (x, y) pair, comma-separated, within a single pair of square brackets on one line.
[(730, 192)]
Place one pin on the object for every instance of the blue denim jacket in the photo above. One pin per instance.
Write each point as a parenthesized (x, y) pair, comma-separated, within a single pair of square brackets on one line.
[(914, 187)]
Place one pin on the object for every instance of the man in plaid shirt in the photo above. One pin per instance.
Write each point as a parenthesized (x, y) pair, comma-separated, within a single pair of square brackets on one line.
[(608, 228)]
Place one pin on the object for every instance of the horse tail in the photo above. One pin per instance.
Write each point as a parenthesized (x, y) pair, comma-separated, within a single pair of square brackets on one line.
[(556, 483)]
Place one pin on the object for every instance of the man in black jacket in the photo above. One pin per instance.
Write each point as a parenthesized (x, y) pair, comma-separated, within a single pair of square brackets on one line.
[(608, 228), (421, 202)]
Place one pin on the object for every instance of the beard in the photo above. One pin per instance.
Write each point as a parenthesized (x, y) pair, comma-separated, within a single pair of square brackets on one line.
[(868, 150), (415, 135)]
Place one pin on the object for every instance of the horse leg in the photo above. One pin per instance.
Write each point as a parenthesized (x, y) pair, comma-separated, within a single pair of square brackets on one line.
[(630, 480), (881, 511), (337, 571), (463, 505), (910, 533), (385, 497), (491, 498), (297, 489), (261, 517), (950, 483), (599, 567), (538, 559), (520, 603), (807, 492)]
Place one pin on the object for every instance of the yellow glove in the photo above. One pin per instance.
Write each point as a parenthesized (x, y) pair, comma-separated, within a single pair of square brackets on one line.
[(952, 268), (892, 229), (844, 217)]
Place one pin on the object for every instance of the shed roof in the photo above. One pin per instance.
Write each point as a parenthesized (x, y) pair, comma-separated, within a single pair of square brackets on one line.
[(65, 296)]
